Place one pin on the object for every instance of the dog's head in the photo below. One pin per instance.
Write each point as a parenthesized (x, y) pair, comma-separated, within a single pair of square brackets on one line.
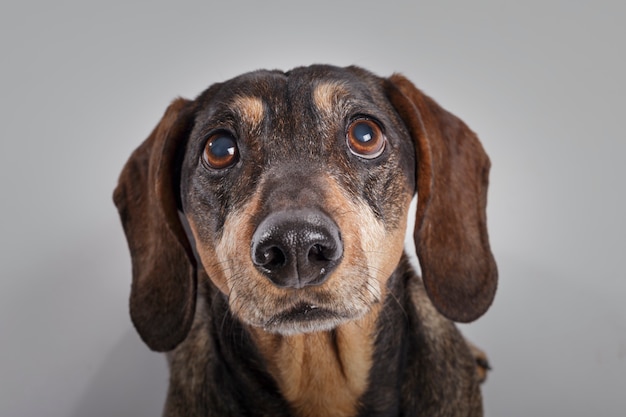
[(295, 188)]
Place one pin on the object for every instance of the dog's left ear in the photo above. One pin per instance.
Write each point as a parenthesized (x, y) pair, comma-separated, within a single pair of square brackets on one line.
[(452, 171), (163, 292)]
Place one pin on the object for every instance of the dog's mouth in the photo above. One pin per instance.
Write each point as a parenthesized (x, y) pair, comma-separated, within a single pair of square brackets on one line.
[(303, 312), (304, 318)]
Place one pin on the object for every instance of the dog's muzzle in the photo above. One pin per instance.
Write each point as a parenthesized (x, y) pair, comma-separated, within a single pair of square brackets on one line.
[(297, 248)]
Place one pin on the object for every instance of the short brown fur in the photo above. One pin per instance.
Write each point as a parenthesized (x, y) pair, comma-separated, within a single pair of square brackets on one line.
[(328, 97), (250, 110)]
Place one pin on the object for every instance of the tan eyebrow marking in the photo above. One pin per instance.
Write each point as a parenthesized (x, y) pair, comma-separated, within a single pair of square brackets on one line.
[(330, 98), (249, 109)]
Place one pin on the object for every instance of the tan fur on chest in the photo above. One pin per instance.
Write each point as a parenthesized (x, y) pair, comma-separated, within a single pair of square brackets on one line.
[(324, 373)]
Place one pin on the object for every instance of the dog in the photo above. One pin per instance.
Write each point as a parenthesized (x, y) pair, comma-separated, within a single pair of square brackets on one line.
[(265, 221)]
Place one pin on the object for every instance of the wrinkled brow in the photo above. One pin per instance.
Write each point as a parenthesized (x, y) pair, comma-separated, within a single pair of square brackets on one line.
[(249, 109), (331, 98)]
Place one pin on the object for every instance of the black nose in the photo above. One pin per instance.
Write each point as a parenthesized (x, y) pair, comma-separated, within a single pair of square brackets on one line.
[(296, 248)]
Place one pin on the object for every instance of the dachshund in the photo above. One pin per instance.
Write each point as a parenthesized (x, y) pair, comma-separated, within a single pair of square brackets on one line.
[(266, 222)]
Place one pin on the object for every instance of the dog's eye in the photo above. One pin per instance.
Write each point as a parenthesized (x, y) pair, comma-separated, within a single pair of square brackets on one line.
[(221, 151), (365, 138)]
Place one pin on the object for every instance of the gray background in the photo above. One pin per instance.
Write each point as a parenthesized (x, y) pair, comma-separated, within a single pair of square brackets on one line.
[(542, 82)]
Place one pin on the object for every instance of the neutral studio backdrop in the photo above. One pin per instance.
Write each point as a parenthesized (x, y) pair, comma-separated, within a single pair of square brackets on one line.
[(542, 83)]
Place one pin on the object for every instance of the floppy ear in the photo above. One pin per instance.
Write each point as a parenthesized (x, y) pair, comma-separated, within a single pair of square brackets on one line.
[(163, 293), (451, 240)]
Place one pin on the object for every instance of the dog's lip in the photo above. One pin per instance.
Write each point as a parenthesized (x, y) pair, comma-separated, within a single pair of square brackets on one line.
[(303, 312)]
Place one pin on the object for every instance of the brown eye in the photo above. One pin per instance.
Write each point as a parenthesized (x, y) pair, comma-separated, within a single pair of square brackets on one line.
[(365, 139), (221, 151)]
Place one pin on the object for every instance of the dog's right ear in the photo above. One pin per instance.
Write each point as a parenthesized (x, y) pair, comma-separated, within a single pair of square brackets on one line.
[(163, 293)]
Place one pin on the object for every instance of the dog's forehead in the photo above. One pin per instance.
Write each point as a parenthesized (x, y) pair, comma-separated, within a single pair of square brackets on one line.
[(276, 85), (322, 89)]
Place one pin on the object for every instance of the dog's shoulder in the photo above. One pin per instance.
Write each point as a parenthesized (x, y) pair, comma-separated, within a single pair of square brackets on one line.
[(433, 324), (440, 363), (188, 364), (432, 330)]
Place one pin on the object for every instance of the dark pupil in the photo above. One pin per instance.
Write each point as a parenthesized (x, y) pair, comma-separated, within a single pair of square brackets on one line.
[(223, 147), (363, 132)]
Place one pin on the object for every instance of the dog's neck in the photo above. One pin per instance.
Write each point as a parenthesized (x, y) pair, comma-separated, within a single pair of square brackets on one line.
[(322, 373)]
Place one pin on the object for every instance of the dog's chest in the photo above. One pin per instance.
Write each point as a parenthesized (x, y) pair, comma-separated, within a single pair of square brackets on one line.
[(322, 374)]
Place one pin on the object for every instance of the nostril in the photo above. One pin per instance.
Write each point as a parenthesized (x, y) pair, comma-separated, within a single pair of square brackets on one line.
[(321, 253), (271, 258), (316, 253)]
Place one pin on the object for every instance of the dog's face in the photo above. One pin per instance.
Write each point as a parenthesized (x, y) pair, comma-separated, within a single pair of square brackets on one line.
[(296, 187)]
